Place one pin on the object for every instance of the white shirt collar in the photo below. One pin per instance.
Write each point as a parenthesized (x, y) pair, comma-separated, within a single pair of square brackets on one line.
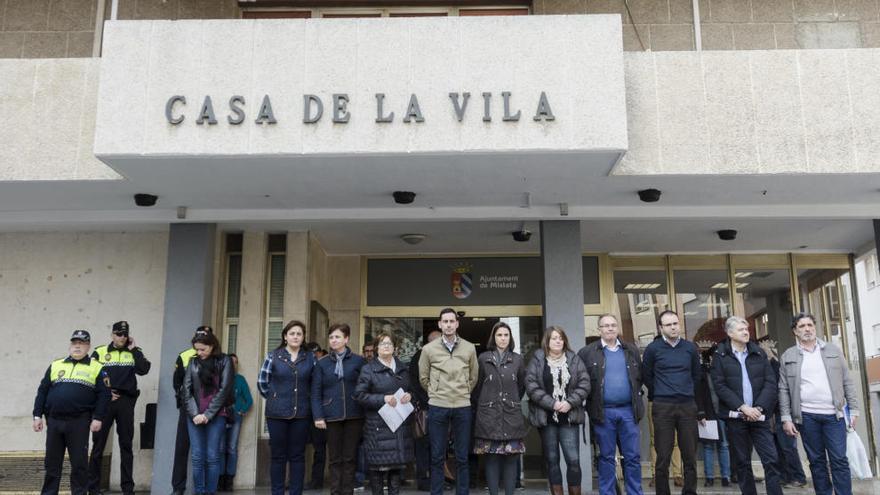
[(616, 344)]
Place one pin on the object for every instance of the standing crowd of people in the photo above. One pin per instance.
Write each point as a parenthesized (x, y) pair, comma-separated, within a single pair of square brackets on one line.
[(472, 405)]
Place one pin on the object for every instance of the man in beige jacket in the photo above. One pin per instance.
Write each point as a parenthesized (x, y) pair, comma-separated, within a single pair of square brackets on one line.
[(448, 372)]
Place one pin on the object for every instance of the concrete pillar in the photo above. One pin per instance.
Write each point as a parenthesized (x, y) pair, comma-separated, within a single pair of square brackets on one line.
[(296, 281), (188, 295), (563, 305), (251, 343)]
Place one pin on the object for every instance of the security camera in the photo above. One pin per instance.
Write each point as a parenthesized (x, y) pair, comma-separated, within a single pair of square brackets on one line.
[(521, 235), (145, 200), (727, 234), (649, 195), (403, 197)]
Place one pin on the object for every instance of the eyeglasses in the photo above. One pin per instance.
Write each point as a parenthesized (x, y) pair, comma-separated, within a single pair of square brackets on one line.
[(385, 344), (608, 325)]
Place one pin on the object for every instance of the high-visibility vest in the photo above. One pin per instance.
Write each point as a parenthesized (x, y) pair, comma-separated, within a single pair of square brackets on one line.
[(114, 356), (186, 356), (64, 371)]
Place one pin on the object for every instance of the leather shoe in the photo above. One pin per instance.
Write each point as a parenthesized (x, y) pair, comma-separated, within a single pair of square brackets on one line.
[(679, 481), (725, 482), (709, 482)]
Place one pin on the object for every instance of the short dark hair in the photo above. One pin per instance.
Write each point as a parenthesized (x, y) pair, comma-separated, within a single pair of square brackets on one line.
[(448, 310), (545, 342), (800, 316), (428, 334), (342, 327), (491, 344), (291, 324), (664, 313)]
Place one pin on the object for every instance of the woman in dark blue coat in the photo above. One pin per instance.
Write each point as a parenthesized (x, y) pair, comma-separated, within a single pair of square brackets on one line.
[(387, 451), (335, 409), (285, 382)]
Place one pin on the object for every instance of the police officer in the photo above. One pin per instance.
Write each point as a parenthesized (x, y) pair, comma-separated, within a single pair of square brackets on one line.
[(122, 361), (73, 396), (181, 445)]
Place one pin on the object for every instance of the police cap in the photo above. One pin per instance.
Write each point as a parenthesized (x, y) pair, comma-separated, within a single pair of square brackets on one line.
[(81, 335)]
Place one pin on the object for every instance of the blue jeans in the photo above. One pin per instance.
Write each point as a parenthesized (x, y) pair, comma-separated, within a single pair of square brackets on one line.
[(566, 436), (619, 428), (287, 446), (440, 419), (205, 446), (821, 434), (709, 447), (231, 442)]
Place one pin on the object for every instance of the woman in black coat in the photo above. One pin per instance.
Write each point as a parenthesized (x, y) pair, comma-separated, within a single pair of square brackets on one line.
[(500, 427), (387, 452)]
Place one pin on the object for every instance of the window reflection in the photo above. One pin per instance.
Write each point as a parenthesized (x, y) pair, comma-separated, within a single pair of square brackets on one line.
[(639, 296), (702, 300), (765, 296)]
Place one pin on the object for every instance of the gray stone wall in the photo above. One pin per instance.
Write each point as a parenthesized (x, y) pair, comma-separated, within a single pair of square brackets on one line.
[(66, 28)]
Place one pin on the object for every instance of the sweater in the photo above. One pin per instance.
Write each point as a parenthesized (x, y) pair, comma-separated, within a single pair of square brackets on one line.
[(671, 373)]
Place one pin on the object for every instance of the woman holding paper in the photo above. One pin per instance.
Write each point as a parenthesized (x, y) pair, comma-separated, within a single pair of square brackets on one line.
[(499, 426), (388, 449)]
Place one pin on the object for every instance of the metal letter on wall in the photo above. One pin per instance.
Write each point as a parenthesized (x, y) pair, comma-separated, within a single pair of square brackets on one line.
[(487, 100), (340, 108), (459, 107), (237, 110), (413, 112), (382, 119), (169, 109), (206, 114), (507, 117), (544, 109), (308, 118), (266, 115)]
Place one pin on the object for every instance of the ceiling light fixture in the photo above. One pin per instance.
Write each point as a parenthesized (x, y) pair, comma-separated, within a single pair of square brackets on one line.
[(650, 195), (413, 239)]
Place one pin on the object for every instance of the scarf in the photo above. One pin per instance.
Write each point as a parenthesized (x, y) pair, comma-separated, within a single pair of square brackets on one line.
[(559, 373), (339, 357), (500, 356), (207, 372)]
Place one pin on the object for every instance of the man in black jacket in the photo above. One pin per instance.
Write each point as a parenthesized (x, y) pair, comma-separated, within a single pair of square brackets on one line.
[(123, 361), (73, 397), (615, 404), (747, 392)]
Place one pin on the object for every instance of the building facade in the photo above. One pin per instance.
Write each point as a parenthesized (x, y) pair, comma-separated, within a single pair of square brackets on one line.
[(275, 134)]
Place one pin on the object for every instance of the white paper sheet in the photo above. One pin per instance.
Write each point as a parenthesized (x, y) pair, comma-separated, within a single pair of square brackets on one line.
[(709, 431), (395, 416)]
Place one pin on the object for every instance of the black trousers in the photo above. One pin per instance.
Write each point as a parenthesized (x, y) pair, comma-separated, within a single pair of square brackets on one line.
[(71, 435), (181, 453), (673, 419), (319, 460), (343, 438), (121, 411), (744, 435)]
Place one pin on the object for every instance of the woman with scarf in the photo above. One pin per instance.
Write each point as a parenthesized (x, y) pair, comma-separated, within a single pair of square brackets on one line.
[(335, 409), (206, 391), (285, 381), (387, 452), (557, 384), (499, 426)]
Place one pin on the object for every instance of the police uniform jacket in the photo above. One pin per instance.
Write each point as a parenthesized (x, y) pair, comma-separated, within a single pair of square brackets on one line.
[(180, 365), (71, 388), (122, 366)]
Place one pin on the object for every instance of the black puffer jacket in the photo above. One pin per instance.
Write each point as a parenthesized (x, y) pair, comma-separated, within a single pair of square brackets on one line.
[(728, 382), (500, 387), (382, 446)]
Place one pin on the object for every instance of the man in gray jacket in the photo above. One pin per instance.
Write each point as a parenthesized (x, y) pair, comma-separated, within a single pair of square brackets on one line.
[(814, 388)]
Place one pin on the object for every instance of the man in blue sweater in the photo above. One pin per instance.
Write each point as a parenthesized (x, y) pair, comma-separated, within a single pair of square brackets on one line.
[(615, 404), (671, 371)]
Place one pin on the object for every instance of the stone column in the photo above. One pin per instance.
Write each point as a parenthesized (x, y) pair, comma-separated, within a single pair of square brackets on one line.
[(188, 295), (563, 305), (250, 346)]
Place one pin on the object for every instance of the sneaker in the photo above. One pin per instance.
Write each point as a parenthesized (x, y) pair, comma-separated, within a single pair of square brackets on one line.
[(798, 484)]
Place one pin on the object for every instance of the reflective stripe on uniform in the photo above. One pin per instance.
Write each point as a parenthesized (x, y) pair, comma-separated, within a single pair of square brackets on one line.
[(64, 371), (186, 355), (114, 357)]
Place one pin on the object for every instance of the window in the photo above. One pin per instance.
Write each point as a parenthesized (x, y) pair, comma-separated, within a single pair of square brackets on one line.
[(275, 290), (871, 271), (233, 291)]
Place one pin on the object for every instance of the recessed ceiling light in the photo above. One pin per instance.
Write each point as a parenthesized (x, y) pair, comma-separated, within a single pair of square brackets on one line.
[(413, 239)]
